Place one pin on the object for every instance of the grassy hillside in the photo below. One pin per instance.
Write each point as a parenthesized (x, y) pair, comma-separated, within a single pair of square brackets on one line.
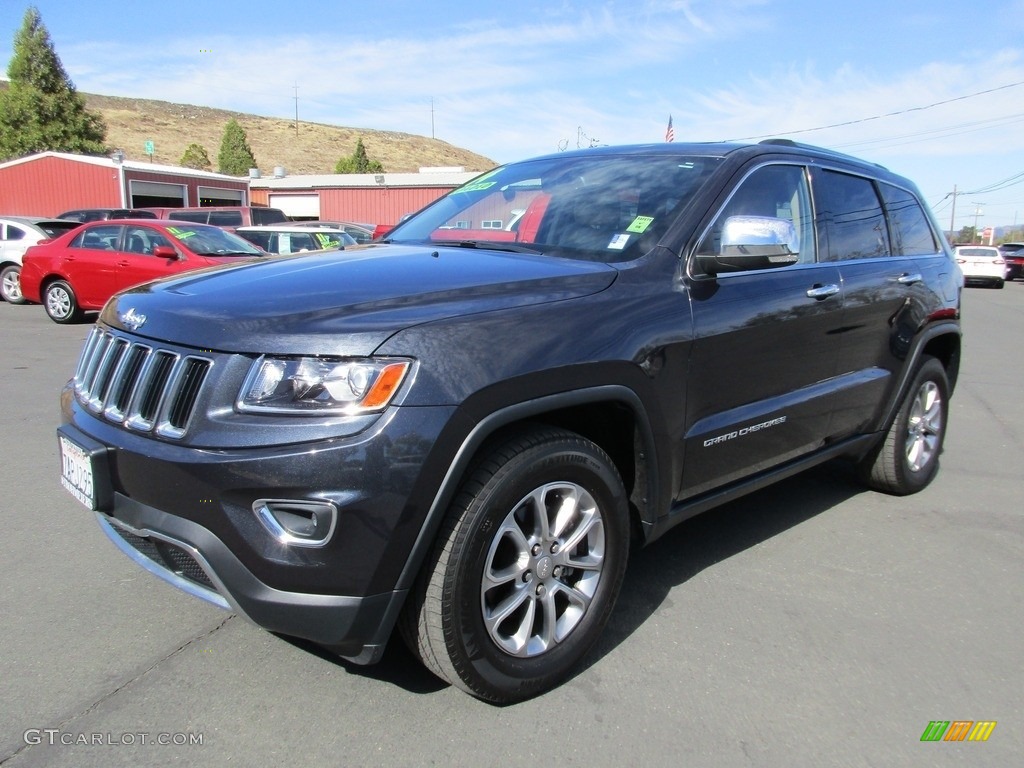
[(315, 148)]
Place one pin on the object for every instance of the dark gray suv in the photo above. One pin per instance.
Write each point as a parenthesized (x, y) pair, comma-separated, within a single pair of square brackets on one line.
[(457, 432)]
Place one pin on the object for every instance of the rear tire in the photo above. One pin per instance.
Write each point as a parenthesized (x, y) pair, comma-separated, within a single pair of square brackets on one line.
[(526, 569), (10, 285), (61, 304), (908, 458)]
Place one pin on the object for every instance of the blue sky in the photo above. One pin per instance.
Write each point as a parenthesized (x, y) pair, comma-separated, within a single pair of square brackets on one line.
[(932, 90)]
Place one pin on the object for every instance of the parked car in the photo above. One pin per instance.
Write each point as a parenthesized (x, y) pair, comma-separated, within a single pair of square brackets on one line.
[(83, 215), (226, 216), (17, 234), (1013, 255), (283, 239), (461, 437), (361, 233), (981, 265), (82, 269)]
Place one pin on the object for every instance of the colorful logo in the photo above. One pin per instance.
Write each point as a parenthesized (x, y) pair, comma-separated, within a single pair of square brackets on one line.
[(958, 730)]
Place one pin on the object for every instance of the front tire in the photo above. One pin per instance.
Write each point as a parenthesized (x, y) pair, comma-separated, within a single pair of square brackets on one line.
[(61, 304), (526, 569), (908, 458), (10, 285)]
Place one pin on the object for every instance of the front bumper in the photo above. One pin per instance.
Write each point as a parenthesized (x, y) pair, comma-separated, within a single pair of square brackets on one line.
[(189, 516), (182, 555)]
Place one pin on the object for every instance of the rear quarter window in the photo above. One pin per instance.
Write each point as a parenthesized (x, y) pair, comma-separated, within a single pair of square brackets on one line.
[(911, 233)]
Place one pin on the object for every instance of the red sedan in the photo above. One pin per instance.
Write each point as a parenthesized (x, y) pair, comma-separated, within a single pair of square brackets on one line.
[(80, 270)]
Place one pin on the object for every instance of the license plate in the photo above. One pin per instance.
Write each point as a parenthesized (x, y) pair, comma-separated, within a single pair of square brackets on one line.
[(77, 472)]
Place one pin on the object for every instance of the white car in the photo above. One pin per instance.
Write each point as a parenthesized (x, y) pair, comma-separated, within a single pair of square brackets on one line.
[(17, 233), (981, 265), (283, 239)]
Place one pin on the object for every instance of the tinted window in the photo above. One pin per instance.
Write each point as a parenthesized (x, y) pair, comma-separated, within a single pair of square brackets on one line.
[(226, 218), (198, 216), (56, 228), (268, 216), (853, 214), (776, 191), (12, 233), (912, 235)]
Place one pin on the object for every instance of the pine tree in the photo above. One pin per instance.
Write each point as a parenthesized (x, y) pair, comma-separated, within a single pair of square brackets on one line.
[(196, 157), (41, 110), (358, 162), (235, 156)]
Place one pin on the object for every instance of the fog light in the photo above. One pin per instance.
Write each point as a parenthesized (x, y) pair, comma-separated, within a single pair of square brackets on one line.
[(301, 523)]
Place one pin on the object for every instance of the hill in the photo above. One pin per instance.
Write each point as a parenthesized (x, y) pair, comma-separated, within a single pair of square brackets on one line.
[(315, 148)]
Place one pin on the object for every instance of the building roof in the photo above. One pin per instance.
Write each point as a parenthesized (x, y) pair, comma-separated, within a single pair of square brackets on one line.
[(427, 178), (107, 162)]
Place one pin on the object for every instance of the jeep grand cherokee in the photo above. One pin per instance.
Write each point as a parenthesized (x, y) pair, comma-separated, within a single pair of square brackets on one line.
[(457, 432)]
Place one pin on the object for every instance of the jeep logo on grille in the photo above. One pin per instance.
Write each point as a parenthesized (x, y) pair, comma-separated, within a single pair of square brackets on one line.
[(131, 319)]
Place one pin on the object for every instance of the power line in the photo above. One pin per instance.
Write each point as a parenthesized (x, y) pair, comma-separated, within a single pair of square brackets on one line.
[(879, 117)]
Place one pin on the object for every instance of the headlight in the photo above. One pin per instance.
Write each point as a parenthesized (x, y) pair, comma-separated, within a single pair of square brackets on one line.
[(321, 385)]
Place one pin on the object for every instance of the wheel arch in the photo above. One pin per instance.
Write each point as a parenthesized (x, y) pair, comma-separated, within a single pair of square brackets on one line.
[(941, 341), (611, 416)]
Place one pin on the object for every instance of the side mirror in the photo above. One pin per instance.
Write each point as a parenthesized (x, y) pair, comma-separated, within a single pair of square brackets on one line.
[(165, 252), (752, 242)]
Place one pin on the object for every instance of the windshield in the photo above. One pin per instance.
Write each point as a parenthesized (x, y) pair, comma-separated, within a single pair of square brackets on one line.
[(212, 241), (594, 206)]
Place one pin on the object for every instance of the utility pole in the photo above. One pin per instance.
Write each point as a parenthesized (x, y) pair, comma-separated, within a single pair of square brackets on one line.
[(952, 218), (431, 117), (296, 109), (977, 214)]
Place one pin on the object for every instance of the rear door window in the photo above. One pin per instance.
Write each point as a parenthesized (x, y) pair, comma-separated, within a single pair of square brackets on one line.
[(100, 238), (853, 215)]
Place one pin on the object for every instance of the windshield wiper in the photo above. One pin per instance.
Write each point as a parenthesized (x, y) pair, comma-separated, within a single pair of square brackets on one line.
[(488, 245)]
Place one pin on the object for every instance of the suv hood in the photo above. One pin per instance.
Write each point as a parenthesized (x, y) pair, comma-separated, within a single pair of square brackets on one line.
[(343, 302)]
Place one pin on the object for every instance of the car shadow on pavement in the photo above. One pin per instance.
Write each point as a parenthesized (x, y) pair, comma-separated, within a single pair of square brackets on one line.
[(655, 571), (717, 535)]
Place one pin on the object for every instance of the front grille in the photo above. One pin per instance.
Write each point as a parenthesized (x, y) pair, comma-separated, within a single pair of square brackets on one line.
[(174, 559), (145, 388)]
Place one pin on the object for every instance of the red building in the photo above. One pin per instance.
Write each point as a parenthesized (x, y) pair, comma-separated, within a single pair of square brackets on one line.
[(382, 198), (52, 182)]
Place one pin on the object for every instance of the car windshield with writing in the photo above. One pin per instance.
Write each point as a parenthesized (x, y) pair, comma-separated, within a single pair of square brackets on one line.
[(603, 207), (212, 241)]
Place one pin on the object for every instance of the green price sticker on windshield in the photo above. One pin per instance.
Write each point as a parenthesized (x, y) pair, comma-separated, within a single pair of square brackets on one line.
[(640, 224)]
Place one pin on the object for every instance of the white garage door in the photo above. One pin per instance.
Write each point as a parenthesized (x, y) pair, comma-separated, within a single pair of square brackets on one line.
[(297, 206)]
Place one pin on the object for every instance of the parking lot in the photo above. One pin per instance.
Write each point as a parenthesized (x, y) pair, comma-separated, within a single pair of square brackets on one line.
[(810, 624)]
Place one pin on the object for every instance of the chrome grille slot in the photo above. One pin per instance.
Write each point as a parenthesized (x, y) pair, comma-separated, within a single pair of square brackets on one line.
[(149, 390), (144, 388)]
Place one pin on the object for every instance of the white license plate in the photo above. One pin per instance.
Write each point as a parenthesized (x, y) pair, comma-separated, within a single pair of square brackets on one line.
[(76, 472)]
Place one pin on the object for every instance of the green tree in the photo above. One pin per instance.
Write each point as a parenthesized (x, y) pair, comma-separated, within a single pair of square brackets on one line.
[(358, 162), (967, 235), (195, 157), (235, 156), (41, 110)]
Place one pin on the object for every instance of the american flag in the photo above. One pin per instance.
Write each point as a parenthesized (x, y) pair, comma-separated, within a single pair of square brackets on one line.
[(670, 133)]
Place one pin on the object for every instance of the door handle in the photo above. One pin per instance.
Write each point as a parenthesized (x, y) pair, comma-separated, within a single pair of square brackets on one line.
[(820, 292), (909, 278)]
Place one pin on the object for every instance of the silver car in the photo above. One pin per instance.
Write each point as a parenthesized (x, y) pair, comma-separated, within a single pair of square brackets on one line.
[(17, 234)]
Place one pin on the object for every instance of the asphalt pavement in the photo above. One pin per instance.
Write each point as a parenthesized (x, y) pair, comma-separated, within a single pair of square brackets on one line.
[(810, 624)]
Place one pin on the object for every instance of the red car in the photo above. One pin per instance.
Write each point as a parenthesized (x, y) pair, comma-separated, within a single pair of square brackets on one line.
[(83, 268)]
